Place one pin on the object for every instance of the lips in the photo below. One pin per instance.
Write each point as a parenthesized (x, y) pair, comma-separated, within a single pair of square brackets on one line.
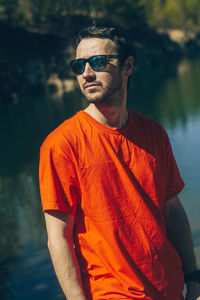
[(90, 85)]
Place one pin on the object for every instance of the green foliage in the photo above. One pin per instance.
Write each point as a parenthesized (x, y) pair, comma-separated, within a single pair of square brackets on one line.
[(47, 8), (51, 8), (174, 11), (131, 11), (169, 13), (193, 12), (159, 13), (9, 8)]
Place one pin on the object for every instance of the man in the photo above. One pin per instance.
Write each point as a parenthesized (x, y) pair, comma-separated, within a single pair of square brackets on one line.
[(109, 186)]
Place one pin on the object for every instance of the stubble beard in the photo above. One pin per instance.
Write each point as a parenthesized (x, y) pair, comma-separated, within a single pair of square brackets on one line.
[(113, 96)]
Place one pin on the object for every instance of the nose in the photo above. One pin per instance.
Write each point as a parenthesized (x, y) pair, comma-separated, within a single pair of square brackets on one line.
[(89, 74)]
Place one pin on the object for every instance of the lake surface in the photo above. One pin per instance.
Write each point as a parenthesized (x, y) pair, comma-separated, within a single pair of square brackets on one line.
[(170, 95)]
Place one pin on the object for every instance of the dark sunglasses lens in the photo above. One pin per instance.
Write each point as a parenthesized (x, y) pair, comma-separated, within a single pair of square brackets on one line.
[(78, 66), (98, 62)]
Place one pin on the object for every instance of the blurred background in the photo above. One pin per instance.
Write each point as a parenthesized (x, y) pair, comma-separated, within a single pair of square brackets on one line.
[(38, 92)]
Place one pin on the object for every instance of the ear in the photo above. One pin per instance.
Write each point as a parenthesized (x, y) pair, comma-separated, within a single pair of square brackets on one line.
[(129, 65)]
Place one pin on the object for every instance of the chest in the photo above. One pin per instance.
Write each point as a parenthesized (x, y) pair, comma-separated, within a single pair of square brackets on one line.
[(117, 174)]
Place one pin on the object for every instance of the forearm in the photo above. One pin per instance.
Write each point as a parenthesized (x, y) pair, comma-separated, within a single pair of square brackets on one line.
[(66, 268), (60, 243), (179, 233)]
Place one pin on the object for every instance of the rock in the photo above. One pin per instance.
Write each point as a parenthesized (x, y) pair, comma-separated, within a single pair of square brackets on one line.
[(69, 85), (57, 87)]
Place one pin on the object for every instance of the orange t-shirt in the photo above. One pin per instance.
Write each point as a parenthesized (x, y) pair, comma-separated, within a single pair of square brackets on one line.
[(115, 182)]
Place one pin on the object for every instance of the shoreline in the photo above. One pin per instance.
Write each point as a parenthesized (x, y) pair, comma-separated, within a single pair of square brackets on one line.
[(40, 60)]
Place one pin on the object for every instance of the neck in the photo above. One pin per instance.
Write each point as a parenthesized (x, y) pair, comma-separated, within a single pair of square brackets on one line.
[(114, 116)]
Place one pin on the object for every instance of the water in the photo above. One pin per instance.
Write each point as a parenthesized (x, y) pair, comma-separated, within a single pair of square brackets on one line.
[(171, 96)]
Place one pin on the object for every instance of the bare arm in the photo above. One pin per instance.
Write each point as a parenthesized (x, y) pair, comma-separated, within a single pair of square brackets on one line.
[(60, 243), (179, 234)]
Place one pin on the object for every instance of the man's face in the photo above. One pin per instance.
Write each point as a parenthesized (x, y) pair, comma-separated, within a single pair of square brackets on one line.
[(106, 85)]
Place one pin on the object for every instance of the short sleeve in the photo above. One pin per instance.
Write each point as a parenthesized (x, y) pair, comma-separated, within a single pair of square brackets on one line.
[(174, 182), (59, 186)]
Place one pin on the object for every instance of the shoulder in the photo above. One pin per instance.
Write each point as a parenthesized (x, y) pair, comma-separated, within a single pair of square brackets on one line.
[(149, 132), (147, 124), (144, 121), (65, 135)]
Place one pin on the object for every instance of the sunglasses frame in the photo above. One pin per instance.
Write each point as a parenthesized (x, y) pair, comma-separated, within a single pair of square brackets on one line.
[(89, 60)]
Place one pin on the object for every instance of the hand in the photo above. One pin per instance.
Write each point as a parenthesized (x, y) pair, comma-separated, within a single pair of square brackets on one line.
[(193, 291)]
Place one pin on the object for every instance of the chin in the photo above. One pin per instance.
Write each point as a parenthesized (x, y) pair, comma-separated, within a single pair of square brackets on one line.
[(94, 99)]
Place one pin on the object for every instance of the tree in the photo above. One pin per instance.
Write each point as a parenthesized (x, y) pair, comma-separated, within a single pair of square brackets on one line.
[(9, 8), (193, 13)]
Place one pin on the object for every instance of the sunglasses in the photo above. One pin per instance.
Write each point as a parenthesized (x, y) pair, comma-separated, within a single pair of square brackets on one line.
[(97, 63)]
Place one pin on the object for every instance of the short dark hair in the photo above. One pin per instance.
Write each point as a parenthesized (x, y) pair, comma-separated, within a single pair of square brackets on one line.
[(120, 36)]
